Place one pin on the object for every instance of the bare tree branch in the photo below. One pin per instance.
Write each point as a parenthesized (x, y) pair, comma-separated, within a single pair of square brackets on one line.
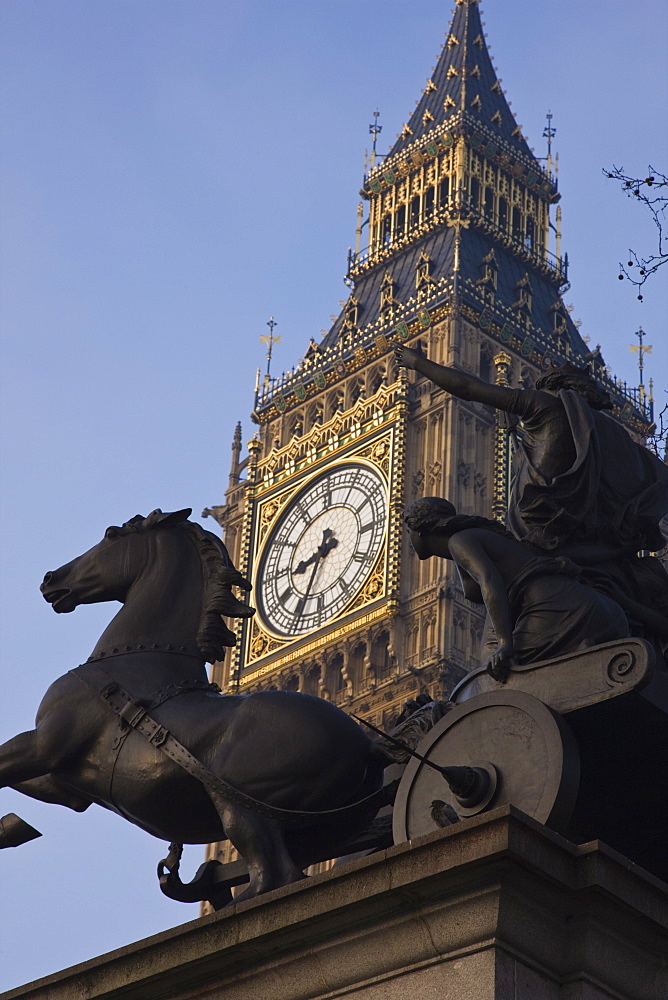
[(657, 440), (652, 192)]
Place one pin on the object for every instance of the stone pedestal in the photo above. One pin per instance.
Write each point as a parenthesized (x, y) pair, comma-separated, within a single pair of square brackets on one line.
[(494, 908)]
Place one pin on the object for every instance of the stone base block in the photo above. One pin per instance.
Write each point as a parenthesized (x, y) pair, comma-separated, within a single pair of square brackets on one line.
[(494, 908)]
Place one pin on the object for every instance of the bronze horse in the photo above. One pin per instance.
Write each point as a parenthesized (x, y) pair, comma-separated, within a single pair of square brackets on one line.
[(298, 755)]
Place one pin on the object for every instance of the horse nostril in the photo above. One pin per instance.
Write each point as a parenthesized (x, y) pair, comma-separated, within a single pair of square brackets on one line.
[(48, 577)]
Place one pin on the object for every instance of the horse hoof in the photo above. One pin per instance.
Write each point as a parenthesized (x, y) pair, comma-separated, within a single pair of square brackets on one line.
[(14, 831), (260, 886)]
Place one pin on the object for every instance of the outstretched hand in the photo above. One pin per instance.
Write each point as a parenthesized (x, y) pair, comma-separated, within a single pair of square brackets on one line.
[(407, 356), (500, 662)]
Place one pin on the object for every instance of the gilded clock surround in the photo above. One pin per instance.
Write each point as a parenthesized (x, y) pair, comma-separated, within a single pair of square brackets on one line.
[(321, 549), (370, 434)]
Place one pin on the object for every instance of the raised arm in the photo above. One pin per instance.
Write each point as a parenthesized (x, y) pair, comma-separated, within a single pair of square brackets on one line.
[(456, 382)]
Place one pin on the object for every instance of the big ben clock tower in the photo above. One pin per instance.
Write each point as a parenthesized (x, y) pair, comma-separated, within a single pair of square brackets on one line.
[(458, 259)]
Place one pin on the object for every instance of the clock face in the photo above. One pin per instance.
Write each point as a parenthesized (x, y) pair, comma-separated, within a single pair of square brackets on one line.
[(322, 549)]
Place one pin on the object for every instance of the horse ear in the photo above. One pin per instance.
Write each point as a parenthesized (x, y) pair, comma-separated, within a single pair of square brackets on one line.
[(164, 520)]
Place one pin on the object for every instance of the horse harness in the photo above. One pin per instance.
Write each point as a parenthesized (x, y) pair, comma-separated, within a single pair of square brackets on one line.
[(135, 714)]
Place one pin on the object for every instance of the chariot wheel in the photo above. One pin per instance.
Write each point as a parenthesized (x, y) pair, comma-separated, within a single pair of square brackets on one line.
[(498, 748)]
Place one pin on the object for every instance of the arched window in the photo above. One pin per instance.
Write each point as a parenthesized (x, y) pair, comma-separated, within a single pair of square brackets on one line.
[(296, 426), (401, 220), (335, 402), (485, 365), (314, 415), (530, 231), (503, 214), (376, 379), (335, 682), (380, 656), (386, 230), (312, 679), (527, 378), (355, 391), (412, 635), (414, 215), (292, 683), (356, 666), (429, 630)]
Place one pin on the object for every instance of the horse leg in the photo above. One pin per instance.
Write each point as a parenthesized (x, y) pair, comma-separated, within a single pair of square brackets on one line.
[(48, 789), (41, 750), (14, 831), (261, 843), (22, 759)]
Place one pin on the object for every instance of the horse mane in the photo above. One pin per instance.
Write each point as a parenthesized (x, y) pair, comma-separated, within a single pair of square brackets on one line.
[(213, 635), (219, 575)]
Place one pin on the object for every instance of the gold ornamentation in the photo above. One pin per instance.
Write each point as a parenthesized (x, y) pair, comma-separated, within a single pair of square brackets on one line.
[(366, 416), (261, 643), (373, 588), (270, 511), (379, 454), (300, 651)]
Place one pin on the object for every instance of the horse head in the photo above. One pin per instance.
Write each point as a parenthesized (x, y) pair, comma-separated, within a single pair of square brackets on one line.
[(138, 551), (107, 570)]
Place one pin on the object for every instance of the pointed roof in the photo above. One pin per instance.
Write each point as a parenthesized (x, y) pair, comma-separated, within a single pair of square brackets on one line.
[(464, 85), (407, 284)]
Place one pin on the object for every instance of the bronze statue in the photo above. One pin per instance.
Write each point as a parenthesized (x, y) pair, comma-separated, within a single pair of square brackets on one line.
[(584, 488), (537, 605), (139, 730)]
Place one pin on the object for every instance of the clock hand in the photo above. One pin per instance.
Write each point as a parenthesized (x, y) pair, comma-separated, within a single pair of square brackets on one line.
[(328, 543)]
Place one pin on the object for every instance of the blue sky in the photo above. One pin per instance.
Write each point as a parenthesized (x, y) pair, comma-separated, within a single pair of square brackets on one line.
[(174, 173)]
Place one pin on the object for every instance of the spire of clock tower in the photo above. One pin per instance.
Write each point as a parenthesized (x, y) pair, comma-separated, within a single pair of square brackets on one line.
[(459, 210), (463, 86)]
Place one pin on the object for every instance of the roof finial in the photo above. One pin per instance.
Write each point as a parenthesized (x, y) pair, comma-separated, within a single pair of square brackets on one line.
[(641, 349), (270, 341), (549, 133), (375, 129)]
